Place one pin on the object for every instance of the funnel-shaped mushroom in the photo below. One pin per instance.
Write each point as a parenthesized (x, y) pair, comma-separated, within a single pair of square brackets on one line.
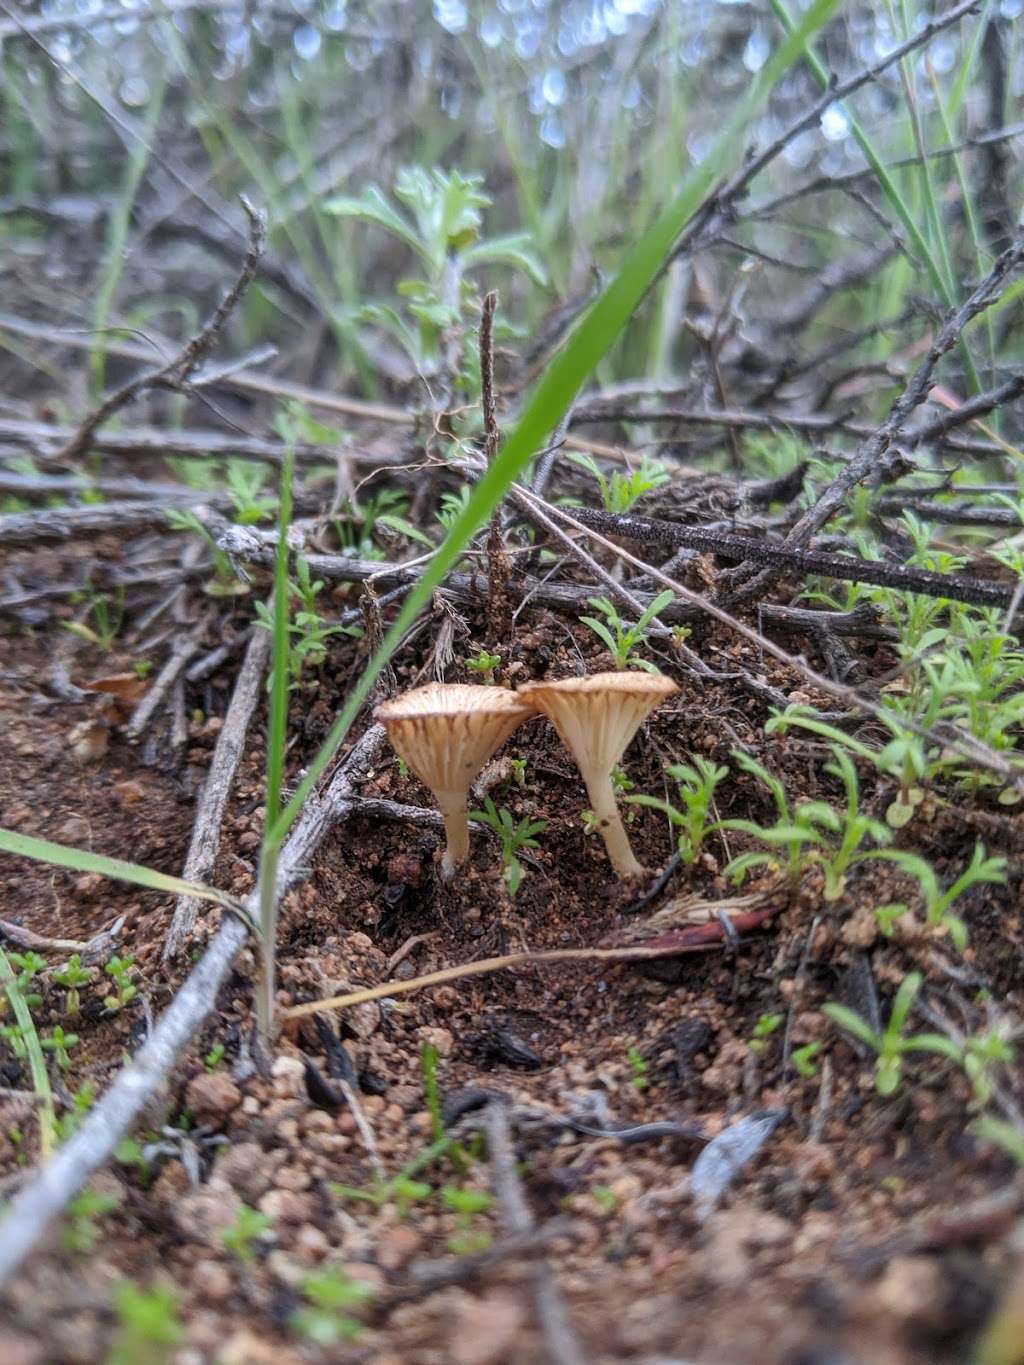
[(596, 718), (446, 732)]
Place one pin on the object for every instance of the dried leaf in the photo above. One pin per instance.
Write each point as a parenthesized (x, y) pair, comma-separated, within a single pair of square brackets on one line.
[(127, 687)]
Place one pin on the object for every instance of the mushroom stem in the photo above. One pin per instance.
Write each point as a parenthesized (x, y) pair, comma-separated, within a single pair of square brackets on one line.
[(609, 822), (456, 828)]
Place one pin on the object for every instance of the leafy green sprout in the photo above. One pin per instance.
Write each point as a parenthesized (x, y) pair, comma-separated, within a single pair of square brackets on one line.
[(512, 835), (149, 1329), (766, 1026), (1002, 1134), (327, 1318), (620, 491), (621, 638), (119, 969), (225, 582), (891, 1046), (638, 1066), (308, 631), (60, 1044), (982, 870), (467, 1205), (805, 1059), (697, 783), (981, 1057), (81, 1231), (485, 664), (242, 1235), (605, 1198), (442, 225), (214, 1057), (809, 830), (245, 481), (72, 976), (106, 613)]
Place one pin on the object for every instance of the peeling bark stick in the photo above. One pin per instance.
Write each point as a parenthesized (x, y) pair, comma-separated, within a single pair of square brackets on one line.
[(45, 1198), (848, 568), (175, 375), (202, 853), (559, 1338)]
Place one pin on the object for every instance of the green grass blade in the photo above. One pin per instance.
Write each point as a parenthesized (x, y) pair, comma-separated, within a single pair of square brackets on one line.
[(562, 380), (277, 731), (36, 1060), (81, 860)]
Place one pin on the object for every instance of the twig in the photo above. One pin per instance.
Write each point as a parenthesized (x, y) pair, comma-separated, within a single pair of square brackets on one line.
[(183, 649), (202, 851), (176, 374), (559, 1337), (41, 1201), (848, 568), (427, 1277)]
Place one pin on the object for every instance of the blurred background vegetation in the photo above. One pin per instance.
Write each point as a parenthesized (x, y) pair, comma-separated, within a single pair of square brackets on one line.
[(129, 131)]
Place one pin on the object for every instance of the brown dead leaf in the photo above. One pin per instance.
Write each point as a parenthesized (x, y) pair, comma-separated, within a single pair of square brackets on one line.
[(127, 687)]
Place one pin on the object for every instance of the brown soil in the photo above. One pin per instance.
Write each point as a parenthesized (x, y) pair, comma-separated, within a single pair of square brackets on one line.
[(827, 1247)]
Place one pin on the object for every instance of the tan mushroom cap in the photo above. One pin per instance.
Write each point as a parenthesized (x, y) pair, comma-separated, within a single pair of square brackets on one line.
[(446, 732), (598, 715)]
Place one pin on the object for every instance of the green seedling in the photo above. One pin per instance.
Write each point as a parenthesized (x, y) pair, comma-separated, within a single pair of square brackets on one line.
[(804, 1059), (24, 1040), (327, 1319), (82, 1102), (72, 976), (441, 223), (59, 1043), (982, 871), (29, 965), (620, 492), (889, 916), (214, 1057), (243, 1234), (517, 771), (638, 1066), (809, 831), (982, 1056), (1003, 1134), (622, 639), (605, 1198), (763, 1030), (119, 969), (484, 664), (697, 783), (891, 1046), (149, 1329), (308, 631), (245, 480), (467, 1205), (81, 1231), (513, 836), (106, 614)]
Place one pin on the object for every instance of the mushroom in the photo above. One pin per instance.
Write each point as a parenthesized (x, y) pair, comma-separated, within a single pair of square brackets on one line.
[(596, 717), (446, 732)]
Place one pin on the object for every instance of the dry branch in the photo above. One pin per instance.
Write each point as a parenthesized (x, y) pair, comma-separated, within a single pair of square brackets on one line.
[(202, 852)]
